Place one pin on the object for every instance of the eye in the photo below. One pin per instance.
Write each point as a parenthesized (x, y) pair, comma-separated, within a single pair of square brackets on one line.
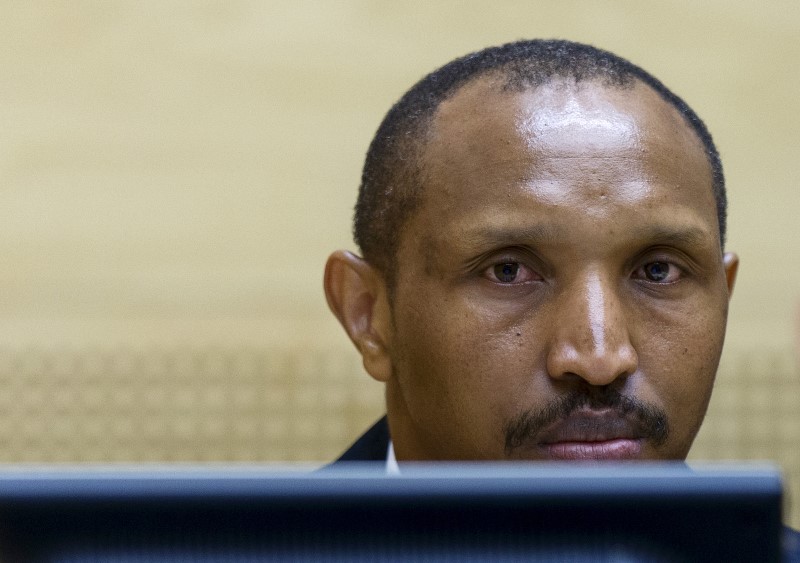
[(506, 273), (510, 273), (660, 272)]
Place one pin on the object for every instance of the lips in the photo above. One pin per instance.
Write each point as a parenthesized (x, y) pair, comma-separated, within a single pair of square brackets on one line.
[(592, 436)]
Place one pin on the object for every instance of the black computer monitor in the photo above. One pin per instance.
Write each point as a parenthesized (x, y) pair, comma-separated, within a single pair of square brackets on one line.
[(475, 512)]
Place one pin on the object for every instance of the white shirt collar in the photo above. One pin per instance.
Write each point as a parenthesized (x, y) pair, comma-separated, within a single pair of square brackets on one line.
[(392, 468)]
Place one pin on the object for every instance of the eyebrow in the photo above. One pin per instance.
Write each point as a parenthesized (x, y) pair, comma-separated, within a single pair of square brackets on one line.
[(541, 234), (498, 236), (664, 234), (687, 235)]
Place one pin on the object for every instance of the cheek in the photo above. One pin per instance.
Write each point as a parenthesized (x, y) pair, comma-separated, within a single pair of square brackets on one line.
[(678, 354), (452, 354)]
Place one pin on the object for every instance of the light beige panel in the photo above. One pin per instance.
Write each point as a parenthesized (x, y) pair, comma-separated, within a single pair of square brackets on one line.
[(243, 404), (173, 175)]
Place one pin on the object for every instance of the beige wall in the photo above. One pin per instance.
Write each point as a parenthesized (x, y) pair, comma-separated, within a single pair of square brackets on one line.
[(178, 172), (173, 174)]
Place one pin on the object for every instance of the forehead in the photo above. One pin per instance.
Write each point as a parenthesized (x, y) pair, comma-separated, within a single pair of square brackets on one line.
[(593, 147), (575, 118)]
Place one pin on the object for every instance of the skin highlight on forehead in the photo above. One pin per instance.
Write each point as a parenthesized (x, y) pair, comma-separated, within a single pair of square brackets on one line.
[(554, 113)]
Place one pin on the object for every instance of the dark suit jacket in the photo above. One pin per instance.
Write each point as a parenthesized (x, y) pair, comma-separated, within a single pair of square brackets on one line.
[(372, 446), (791, 545)]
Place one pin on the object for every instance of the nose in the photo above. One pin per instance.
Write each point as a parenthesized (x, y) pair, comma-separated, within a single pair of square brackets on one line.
[(590, 338)]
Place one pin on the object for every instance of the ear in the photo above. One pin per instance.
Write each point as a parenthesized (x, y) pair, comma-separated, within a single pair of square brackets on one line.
[(731, 262), (357, 295)]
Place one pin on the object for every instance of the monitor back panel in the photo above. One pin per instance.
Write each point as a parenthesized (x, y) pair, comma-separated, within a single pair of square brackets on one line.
[(456, 513)]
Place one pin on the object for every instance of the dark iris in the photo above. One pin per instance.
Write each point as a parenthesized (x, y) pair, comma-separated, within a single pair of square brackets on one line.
[(656, 271), (507, 272)]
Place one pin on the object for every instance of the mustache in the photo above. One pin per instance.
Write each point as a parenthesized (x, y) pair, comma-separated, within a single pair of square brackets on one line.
[(649, 420)]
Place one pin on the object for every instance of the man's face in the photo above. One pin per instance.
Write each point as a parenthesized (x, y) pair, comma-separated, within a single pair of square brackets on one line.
[(561, 292)]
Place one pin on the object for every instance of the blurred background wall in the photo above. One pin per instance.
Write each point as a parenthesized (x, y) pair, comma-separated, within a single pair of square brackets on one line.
[(174, 174)]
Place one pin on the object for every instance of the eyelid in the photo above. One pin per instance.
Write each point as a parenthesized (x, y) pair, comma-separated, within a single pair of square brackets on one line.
[(680, 273), (533, 275), (511, 253), (522, 256), (668, 255)]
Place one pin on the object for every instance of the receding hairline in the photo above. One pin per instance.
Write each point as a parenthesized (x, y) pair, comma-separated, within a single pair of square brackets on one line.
[(492, 83)]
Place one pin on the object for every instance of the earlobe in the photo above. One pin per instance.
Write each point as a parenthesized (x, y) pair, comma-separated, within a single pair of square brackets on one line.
[(731, 263), (356, 293)]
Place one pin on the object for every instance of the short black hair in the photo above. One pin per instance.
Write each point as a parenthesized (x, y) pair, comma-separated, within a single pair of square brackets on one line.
[(392, 179)]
